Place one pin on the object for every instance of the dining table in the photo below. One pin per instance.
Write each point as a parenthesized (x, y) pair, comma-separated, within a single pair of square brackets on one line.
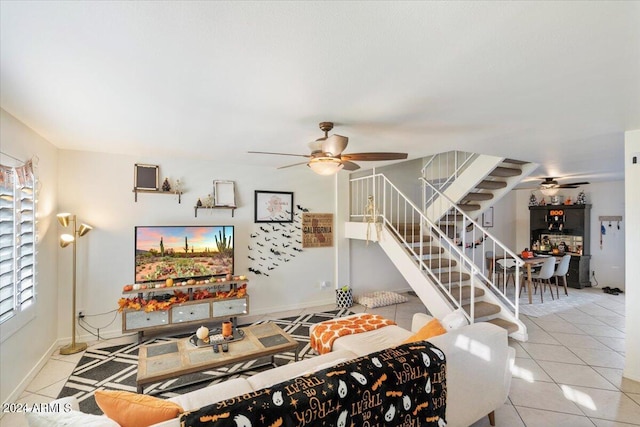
[(531, 263)]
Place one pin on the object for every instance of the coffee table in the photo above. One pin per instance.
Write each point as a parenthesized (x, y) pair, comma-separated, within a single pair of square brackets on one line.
[(159, 362)]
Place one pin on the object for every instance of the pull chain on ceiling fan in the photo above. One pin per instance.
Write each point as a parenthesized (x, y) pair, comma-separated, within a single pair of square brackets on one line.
[(326, 156)]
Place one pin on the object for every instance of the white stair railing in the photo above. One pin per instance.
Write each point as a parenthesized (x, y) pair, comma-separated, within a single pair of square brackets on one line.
[(442, 169), (496, 263), (378, 202)]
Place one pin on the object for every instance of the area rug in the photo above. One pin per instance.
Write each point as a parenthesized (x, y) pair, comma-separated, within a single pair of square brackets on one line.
[(575, 299), (114, 367)]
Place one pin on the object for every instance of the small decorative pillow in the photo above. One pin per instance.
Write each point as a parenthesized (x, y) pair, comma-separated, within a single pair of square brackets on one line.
[(433, 328), (454, 320), (380, 299), (135, 410)]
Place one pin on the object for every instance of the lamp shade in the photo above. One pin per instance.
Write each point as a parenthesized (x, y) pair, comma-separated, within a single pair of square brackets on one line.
[(325, 165), (66, 240), (84, 229), (63, 219)]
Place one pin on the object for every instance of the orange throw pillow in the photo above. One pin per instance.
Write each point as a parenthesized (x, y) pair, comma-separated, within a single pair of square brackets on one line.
[(432, 329), (135, 410)]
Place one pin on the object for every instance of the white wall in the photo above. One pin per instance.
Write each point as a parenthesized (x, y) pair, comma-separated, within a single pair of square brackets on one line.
[(632, 216), (23, 353), (98, 188)]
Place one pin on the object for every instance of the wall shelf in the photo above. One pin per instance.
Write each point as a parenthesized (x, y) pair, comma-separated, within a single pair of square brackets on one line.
[(233, 208), (137, 190)]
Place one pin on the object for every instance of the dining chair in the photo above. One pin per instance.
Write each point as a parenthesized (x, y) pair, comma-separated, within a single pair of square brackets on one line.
[(507, 266), (561, 271), (489, 263), (544, 276)]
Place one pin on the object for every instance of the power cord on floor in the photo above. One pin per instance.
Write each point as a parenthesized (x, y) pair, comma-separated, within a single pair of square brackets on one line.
[(593, 276)]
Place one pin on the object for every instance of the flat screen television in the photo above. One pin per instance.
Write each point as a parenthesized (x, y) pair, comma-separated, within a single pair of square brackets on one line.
[(183, 252)]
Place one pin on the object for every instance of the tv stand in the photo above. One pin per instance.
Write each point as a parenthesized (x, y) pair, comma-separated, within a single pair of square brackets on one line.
[(193, 312)]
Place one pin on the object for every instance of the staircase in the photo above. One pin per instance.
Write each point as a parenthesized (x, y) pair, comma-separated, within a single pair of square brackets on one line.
[(436, 248)]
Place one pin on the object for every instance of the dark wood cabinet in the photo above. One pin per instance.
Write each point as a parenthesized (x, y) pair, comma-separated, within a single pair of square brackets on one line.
[(568, 224)]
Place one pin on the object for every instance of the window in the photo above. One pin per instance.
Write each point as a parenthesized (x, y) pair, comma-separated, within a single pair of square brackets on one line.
[(17, 240)]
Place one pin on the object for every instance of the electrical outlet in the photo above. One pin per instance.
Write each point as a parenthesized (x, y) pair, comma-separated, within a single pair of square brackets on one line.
[(80, 314), (593, 273), (324, 284)]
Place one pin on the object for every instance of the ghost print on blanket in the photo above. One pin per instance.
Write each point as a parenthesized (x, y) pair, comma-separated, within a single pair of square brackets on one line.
[(400, 386)]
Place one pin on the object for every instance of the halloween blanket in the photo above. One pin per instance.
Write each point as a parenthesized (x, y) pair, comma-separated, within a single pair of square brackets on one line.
[(400, 386), (325, 333)]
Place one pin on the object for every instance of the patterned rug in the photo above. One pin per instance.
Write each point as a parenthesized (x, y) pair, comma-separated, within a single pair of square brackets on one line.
[(575, 299), (115, 367)]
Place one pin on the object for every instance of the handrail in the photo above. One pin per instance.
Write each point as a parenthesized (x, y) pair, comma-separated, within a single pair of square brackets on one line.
[(405, 220), (472, 231)]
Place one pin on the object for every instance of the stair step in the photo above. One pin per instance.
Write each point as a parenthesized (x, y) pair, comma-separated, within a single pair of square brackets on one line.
[(466, 292), (491, 185), (475, 197), (428, 250), (503, 323), (469, 207), (483, 309), (505, 172), (408, 229), (452, 276), (407, 226), (440, 263), (515, 162)]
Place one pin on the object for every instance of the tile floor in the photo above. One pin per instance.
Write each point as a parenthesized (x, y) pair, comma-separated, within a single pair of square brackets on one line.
[(569, 373)]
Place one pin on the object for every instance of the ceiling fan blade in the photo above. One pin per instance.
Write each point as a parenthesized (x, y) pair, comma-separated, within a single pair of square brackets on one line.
[(350, 166), (295, 164), (278, 154), (335, 144), (374, 156), (573, 184)]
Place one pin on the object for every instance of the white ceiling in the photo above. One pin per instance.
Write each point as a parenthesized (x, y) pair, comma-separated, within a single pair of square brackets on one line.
[(556, 83)]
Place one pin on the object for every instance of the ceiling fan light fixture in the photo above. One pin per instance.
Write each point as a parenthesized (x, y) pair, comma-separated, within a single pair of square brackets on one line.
[(549, 191), (325, 165)]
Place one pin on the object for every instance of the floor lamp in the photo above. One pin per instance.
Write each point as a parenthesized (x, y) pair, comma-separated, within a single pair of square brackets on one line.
[(65, 240)]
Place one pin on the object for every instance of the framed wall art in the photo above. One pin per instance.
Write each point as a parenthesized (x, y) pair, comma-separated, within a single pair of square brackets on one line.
[(146, 177), (224, 193), (487, 218), (273, 206)]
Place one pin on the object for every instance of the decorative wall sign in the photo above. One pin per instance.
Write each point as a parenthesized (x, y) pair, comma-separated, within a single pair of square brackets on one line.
[(317, 230), (273, 206), (146, 177)]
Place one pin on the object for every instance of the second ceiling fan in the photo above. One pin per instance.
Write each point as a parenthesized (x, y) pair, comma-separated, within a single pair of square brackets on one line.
[(327, 156), (550, 187)]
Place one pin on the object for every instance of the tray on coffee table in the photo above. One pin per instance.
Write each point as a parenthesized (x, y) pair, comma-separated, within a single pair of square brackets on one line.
[(216, 337)]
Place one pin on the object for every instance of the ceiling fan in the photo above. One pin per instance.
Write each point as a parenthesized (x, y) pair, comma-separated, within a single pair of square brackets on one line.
[(550, 187), (326, 156)]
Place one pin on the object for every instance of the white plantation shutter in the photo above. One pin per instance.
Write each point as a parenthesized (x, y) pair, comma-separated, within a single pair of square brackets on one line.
[(17, 240)]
